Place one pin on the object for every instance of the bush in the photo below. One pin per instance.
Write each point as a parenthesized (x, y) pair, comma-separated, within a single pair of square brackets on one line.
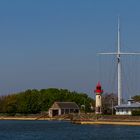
[(136, 113)]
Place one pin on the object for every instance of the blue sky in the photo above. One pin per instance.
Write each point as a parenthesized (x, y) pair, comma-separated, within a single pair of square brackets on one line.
[(51, 43)]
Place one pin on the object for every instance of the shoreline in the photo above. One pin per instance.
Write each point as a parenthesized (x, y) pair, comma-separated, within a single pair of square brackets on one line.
[(81, 122), (130, 123), (30, 118), (17, 118)]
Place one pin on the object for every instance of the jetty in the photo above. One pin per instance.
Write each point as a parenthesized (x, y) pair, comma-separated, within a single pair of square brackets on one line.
[(106, 119)]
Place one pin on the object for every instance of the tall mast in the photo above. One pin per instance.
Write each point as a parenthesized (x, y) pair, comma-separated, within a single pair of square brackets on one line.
[(118, 54), (119, 67)]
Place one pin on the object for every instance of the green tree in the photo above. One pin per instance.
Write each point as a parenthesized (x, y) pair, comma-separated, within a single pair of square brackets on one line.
[(34, 101), (136, 98)]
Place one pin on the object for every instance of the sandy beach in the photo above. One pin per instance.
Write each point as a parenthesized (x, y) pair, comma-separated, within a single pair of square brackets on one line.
[(82, 122), (134, 123), (17, 118), (29, 118)]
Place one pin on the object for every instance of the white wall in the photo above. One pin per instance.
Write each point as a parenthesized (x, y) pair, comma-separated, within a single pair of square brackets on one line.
[(98, 100), (123, 112)]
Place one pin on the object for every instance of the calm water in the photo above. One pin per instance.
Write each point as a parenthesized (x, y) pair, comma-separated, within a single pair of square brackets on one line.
[(59, 130)]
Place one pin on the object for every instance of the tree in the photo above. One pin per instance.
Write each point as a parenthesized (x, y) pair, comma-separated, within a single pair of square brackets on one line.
[(136, 98), (108, 103), (34, 101)]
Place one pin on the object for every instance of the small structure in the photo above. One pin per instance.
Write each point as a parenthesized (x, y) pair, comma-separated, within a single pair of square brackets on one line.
[(62, 108), (126, 109), (98, 105)]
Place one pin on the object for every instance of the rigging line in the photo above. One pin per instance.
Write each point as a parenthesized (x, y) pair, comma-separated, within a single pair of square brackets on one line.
[(111, 78), (100, 73), (102, 70), (110, 75), (127, 75), (113, 83), (131, 74), (98, 68), (108, 72), (136, 75), (126, 81)]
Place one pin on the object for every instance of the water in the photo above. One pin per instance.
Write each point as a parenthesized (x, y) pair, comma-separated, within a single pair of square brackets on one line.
[(60, 130)]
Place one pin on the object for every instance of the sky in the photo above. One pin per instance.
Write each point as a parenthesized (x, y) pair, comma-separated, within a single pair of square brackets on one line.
[(54, 44)]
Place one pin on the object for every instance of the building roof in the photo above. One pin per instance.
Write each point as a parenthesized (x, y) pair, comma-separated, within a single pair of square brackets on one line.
[(65, 105), (132, 105)]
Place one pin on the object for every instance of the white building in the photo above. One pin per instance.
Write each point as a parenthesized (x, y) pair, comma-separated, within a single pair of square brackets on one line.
[(126, 109)]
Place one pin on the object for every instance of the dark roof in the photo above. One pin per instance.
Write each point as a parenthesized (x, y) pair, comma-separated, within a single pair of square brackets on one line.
[(65, 105)]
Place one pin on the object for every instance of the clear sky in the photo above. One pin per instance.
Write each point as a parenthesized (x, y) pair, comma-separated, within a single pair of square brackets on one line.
[(54, 43)]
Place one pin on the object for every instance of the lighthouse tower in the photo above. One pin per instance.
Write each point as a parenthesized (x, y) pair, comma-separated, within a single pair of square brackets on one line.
[(98, 106)]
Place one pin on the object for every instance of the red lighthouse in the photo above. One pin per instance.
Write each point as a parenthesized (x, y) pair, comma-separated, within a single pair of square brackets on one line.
[(98, 106)]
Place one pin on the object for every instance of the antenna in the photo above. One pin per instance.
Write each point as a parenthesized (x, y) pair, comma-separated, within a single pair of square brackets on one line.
[(118, 55)]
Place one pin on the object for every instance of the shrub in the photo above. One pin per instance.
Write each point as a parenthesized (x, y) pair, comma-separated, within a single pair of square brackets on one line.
[(136, 113)]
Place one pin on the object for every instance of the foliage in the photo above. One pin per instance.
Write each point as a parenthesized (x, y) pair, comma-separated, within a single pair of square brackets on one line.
[(108, 103), (36, 101), (136, 113), (136, 98)]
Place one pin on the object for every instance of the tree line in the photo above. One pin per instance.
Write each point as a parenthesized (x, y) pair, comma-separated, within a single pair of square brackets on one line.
[(36, 101)]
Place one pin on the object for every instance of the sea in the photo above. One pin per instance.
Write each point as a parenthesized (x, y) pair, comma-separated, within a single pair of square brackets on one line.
[(65, 130)]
